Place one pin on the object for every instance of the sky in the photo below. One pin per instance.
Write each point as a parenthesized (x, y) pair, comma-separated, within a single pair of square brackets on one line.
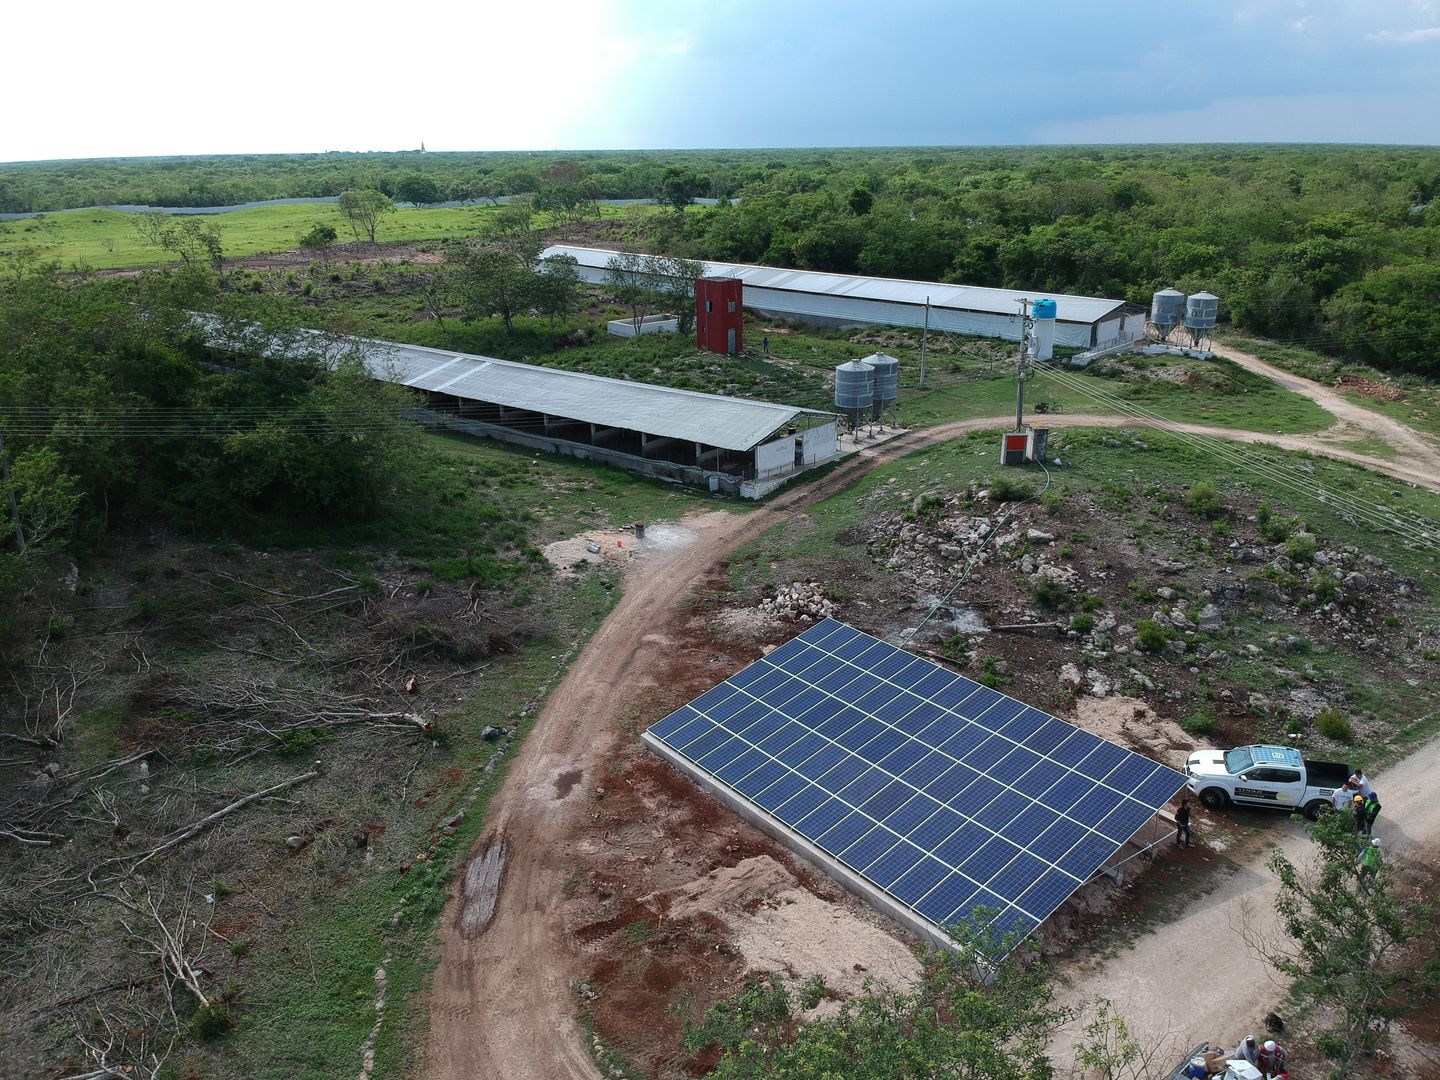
[(84, 78)]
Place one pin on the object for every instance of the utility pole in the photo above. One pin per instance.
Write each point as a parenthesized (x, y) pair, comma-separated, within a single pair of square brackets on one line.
[(924, 341), (1025, 324), (10, 490)]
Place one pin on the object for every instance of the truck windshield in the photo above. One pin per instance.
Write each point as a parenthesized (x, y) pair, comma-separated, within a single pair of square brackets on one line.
[(1238, 760)]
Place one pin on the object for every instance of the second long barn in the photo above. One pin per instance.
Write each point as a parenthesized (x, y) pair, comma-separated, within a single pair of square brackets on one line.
[(822, 299)]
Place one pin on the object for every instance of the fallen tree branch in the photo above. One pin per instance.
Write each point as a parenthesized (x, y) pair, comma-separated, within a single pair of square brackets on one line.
[(192, 831)]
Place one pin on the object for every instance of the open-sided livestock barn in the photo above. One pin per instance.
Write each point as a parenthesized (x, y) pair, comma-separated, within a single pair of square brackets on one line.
[(821, 299), (729, 444)]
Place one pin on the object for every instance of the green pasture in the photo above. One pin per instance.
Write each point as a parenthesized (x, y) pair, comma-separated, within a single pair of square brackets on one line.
[(107, 239)]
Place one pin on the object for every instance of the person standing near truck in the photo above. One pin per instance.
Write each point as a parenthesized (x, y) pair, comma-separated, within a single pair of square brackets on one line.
[(1182, 823), (1361, 783), (1340, 800), (1372, 811)]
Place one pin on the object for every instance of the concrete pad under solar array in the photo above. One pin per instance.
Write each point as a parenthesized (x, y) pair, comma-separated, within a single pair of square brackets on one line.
[(927, 793)]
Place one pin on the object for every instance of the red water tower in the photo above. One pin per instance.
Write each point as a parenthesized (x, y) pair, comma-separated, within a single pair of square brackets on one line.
[(719, 314)]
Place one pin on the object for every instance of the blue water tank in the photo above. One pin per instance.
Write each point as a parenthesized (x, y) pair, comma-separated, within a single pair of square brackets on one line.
[(1044, 314)]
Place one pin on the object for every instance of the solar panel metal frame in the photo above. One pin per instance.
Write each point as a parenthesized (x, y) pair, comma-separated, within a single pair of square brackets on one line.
[(924, 791)]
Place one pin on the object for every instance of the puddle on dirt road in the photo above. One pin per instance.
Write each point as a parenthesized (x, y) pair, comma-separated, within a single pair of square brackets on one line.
[(667, 536), (565, 783), (482, 886)]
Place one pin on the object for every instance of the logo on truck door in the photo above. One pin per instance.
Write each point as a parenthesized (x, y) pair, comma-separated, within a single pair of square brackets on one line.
[(1256, 793)]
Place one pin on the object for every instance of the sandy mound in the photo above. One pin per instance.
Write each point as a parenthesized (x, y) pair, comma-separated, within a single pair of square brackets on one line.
[(778, 926), (1130, 722)]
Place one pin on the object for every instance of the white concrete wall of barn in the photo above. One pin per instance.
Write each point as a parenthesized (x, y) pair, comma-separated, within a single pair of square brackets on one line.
[(775, 458), (819, 443)]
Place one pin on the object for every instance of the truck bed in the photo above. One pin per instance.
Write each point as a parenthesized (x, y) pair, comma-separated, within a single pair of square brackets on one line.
[(1326, 774)]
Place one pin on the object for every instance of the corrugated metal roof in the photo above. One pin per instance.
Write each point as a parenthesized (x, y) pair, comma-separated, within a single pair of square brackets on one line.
[(726, 422), (1074, 309)]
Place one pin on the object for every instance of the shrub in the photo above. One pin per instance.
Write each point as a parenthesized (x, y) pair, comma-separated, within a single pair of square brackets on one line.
[(1048, 592), (1301, 547), (1083, 623), (1324, 590), (1051, 500), (321, 235), (1274, 529), (1199, 722), (1202, 500), (1332, 724), (1008, 489), (1151, 636), (211, 1021), (993, 675)]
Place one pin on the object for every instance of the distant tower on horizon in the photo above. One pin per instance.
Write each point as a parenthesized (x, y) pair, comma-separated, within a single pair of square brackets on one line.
[(422, 146)]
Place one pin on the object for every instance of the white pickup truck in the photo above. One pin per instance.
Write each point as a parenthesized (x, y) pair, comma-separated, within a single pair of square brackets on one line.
[(1264, 776)]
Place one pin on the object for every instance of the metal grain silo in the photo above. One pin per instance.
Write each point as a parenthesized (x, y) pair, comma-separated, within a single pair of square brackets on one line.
[(1201, 311), (887, 380), (1167, 308), (1044, 315), (854, 390)]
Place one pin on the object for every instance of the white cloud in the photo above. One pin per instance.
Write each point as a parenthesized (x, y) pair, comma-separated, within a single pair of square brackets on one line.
[(1406, 37)]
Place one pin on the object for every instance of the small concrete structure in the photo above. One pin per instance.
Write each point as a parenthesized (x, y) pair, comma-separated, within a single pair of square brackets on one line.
[(649, 324)]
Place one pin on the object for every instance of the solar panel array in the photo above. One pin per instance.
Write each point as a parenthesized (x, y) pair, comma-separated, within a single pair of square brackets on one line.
[(943, 793)]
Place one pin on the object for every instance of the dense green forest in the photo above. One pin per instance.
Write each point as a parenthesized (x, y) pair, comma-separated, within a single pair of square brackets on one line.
[(1333, 247)]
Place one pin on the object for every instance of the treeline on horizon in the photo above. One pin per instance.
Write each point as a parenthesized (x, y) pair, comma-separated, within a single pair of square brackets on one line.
[(1333, 247)]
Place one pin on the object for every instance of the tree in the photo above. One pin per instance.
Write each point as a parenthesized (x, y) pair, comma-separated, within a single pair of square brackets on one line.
[(630, 280), (191, 239), (557, 286), (679, 188), (860, 200), (565, 205), (1111, 1049), (419, 189), (513, 222), (44, 499), (491, 282), (1360, 953), (675, 281), (321, 235), (363, 209)]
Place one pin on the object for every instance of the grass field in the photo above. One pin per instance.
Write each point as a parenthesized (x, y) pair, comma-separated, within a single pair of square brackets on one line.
[(107, 240)]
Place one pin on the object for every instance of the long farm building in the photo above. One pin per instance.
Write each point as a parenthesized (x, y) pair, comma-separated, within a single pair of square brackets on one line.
[(822, 299)]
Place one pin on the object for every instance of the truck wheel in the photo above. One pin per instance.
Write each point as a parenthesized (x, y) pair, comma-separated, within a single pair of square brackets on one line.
[(1314, 808), (1214, 799)]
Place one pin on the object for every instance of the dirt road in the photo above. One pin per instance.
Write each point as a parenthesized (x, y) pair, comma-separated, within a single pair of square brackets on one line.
[(501, 998), (1350, 417), (1192, 979)]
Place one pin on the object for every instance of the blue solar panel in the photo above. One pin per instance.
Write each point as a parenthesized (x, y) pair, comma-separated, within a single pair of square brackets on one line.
[(945, 793)]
